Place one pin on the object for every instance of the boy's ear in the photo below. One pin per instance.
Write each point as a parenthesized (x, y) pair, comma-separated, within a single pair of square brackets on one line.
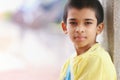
[(100, 28), (64, 27)]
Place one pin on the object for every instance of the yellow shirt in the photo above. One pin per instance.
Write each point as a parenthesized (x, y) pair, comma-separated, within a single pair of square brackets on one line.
[(95, 64)]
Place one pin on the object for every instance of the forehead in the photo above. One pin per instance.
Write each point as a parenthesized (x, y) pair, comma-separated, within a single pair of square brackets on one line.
[(84, 13)]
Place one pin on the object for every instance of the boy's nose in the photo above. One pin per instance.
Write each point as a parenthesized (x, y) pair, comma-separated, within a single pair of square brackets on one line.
[(80, 29)]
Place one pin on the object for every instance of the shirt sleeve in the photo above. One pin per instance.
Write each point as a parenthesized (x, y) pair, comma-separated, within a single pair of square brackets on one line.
[(98, 69), (64, 70)]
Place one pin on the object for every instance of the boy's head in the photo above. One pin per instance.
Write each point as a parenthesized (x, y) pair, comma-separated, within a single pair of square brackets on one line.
[(83, 21), (79, 4)]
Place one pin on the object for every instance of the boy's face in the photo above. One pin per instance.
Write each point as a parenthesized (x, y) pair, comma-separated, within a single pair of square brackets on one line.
[(82, 26)]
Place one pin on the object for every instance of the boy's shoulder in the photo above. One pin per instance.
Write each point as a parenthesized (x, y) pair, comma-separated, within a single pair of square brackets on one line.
[(100, 54)]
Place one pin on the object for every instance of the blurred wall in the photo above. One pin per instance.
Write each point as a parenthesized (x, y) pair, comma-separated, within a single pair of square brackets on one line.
[(117, 36), (112, 18)]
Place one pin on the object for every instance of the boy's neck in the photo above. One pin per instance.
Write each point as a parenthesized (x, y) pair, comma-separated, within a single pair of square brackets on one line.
[(82, 50)]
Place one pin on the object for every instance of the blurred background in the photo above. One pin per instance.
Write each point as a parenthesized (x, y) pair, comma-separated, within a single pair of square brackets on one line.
[(32, 44)]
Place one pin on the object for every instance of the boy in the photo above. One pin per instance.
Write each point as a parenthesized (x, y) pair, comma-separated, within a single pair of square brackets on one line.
[(83, 21)]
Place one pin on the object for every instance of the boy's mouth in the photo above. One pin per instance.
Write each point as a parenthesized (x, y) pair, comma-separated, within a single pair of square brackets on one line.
[(80, 38)]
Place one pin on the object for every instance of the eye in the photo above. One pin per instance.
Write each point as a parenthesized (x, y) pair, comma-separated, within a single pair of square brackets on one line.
[(88, 23), (73, 23)]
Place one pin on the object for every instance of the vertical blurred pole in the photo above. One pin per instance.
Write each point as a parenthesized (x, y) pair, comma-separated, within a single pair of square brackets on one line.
[(117, 36), (112, 15), (110, 26)]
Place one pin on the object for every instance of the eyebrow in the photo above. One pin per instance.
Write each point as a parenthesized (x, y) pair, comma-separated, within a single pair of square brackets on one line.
[(72, 19), (87, 19)]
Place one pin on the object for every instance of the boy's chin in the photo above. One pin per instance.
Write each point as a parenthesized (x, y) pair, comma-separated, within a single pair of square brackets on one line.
[(83, 45), (80, 44)]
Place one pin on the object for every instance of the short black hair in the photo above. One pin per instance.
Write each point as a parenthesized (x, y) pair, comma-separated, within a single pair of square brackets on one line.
[(80, 4)]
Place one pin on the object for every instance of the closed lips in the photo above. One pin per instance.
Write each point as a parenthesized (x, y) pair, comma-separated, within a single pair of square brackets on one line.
[(80, 37)]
